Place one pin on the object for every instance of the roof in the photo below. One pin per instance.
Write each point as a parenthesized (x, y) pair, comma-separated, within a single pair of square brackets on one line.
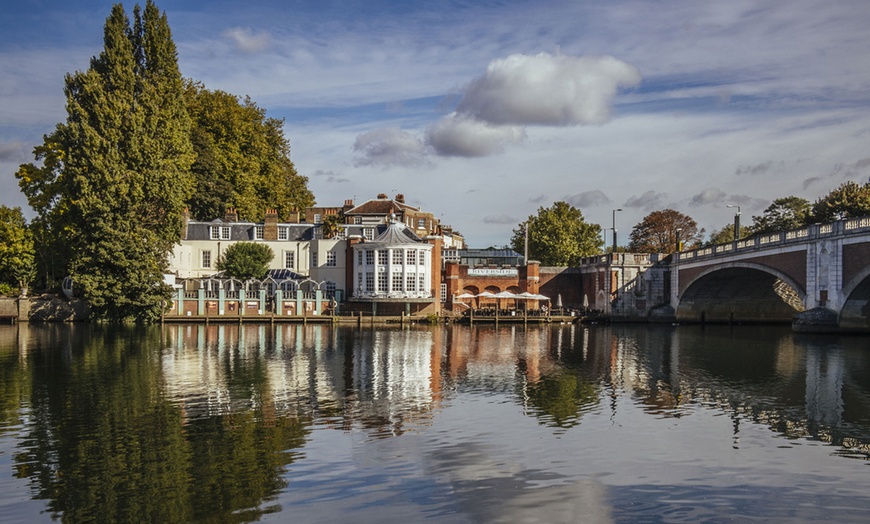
[(397, 233), (489, 253), (380, 206), (245, 230)]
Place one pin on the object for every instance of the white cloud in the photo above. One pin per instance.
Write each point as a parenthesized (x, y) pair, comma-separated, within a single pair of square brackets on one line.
[(710, 195), (245, 40), (389, 147), (13, 152), (649, 201), (587, 199), (547, 89), (456, 135)]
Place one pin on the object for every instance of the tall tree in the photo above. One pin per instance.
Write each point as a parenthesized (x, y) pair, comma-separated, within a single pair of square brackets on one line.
[(849, 200), (783, 214), (118, 173), (658, 232), (558, 236), (242, 158), (17, 257)]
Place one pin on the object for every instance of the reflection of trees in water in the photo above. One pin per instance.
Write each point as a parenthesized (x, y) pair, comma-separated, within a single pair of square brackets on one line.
[(800, 387), (106, 443)]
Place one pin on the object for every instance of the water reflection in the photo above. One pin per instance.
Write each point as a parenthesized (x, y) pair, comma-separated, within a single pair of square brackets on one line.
[(218, 422)]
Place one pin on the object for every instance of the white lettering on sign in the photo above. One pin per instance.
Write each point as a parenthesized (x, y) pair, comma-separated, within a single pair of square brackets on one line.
[(492, 272)]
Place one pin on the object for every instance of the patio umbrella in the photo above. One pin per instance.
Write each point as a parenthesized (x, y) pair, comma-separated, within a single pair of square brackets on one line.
[(465, 295), (585, 301), (503, 294), (485, 294), (559, 300)]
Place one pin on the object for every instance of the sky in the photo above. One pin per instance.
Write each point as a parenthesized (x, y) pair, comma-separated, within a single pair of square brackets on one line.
[(482, 112)]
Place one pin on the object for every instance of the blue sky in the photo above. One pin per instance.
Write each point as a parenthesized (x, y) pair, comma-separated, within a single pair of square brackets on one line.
[(482, 112)]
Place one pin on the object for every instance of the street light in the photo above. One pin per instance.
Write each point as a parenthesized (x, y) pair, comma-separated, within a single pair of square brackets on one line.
[(614, 229), (677, 243), (736, 222)]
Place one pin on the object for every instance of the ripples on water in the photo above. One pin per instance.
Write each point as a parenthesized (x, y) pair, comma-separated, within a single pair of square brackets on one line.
[(190, 423)]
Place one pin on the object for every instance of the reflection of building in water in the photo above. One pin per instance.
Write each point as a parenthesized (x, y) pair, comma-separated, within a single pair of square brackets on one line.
[(824, 394), (377, 379)]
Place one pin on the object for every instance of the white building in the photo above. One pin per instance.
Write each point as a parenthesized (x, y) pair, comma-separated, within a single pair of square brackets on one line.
[(395, 265)]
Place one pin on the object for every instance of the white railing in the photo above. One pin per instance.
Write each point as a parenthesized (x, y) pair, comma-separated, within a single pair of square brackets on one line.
[(850, 226)]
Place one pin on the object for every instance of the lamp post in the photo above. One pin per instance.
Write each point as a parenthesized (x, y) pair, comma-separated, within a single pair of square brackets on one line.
[(614, 229), (736, 222), (677, 243)]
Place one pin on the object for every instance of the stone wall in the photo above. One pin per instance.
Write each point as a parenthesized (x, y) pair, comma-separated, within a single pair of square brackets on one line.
[(45, 308)]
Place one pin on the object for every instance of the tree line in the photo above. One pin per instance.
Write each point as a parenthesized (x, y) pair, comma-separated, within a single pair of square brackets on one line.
[(560, 236), (140, 145)]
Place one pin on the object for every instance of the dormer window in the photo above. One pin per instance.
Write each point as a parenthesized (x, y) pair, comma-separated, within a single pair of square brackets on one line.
[(219, 232), (258, 232), (283, 233)]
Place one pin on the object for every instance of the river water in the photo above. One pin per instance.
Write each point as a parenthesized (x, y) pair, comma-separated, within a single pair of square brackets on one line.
[(561, 423)]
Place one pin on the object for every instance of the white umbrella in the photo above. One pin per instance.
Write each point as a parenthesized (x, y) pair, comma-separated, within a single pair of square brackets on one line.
[(504, 294), (485, 294), (464, 296), (525, 295), (559, 300)]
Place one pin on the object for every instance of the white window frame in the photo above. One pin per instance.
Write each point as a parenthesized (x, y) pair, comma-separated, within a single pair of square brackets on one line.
[(226, 232), (205, 258), (258, 232), (283, 233), (331, 259), (289, 260)]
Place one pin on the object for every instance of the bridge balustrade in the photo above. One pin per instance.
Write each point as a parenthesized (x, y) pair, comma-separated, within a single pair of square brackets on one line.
[(850, 226)]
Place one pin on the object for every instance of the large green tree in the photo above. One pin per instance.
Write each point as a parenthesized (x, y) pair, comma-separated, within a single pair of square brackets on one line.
[(658, 232), (246, 260), (726, 234), (783, 214), (17, 256), (558, 236), (849, 200), (116, 175), (242, 158)]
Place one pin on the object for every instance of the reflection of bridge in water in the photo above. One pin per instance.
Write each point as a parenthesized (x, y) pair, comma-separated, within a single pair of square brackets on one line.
[(818, 276)]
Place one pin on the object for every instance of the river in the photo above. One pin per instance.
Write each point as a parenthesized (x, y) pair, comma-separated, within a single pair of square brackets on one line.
[(315, 423)]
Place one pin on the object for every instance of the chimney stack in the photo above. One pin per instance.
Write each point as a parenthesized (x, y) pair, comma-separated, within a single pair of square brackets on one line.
[(232, 215), (270, 225)]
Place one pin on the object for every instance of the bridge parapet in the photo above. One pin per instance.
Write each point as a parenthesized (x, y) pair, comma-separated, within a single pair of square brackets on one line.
[(839, 229)]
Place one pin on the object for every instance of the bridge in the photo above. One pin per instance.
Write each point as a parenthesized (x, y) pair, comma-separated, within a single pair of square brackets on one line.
[(818, 275)]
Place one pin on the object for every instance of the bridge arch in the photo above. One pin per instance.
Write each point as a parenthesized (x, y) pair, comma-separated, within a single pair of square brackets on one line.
[(740, 292), (855, 313)]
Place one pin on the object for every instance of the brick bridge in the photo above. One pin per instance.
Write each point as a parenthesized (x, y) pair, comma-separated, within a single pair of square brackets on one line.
[(820, 273)]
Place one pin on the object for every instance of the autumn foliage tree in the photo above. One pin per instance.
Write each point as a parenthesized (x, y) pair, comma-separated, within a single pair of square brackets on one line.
[(657, 232), (558, 236)]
